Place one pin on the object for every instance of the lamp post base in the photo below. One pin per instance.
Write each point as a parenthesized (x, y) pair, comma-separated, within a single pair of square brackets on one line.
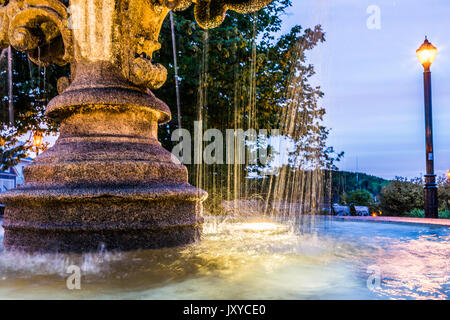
[(431, 197)]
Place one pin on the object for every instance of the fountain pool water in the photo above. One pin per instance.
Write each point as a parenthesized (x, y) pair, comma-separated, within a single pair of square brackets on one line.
[(257, 258)]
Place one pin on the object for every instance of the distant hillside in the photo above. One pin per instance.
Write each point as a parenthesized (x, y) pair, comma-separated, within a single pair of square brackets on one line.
[(344, 181)]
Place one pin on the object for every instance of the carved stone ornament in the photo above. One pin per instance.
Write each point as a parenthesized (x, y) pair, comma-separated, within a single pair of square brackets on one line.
[(32, 24), (123, 32)]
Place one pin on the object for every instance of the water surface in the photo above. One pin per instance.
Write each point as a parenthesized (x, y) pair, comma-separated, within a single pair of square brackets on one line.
[(252, 259)]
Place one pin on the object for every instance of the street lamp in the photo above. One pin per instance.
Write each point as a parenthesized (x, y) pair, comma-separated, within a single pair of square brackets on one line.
[(426, 55), (37, 141)]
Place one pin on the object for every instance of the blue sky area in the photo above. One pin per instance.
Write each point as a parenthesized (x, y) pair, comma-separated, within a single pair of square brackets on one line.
[(373, 81)]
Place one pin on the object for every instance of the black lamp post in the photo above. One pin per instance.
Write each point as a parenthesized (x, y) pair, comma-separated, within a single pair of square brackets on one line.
[(426, 54)]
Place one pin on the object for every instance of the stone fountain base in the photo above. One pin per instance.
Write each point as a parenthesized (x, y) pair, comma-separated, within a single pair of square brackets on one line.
[(107, 181), (87, 219)]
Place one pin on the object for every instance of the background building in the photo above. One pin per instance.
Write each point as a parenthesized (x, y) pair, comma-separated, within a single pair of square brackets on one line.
[(13, 177)]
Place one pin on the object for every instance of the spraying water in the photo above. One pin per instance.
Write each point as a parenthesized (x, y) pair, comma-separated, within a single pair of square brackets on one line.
[(292, 185)]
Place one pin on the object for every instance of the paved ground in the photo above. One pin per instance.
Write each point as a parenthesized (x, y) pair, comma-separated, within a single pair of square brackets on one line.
[(442, 222)]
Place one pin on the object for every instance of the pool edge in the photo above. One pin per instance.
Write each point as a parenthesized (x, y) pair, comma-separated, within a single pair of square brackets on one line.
[(397, 220)]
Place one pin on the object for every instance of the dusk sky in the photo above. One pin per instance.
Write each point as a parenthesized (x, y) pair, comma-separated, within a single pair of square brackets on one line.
[(373, 81)]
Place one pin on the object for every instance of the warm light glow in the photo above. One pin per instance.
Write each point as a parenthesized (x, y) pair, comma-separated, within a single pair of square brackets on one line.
[(37, 139), (448, 174), (376, 214), (426, 54), (259, 226)]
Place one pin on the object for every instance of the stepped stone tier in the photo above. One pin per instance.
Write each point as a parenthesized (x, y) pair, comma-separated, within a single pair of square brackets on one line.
[(107, 180)]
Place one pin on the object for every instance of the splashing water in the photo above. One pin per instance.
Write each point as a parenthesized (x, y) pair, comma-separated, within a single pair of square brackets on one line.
[(253, 258), (299, 185)]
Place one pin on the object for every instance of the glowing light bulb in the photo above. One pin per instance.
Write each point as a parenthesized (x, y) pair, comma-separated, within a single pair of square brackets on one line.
[(426, 54), (37, 139)]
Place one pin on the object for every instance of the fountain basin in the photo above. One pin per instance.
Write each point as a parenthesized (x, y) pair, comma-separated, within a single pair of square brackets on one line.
[(252, 258)]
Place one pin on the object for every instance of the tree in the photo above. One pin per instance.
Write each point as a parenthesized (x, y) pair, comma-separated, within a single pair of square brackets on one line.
[(358, 198), (402, 196), (239, 76), (220, 69), (346, 182)]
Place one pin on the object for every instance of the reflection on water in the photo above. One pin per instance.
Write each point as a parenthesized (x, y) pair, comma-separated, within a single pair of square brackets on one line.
[(251, 259), (417, 268)]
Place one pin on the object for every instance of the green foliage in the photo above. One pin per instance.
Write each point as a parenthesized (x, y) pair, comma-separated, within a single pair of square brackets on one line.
[(248, 75), (346, 182), (358, 198), (240, 75), (444, 193), (406, 198), (226, 63), (444, 214), (420, 213), (416, 213), (402, 196)]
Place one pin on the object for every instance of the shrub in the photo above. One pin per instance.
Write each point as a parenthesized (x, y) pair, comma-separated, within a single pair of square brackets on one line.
[(420, 213), (358, 198), (401, 196), (416, 213), (375, 208), (444, 194), (444, 214)]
